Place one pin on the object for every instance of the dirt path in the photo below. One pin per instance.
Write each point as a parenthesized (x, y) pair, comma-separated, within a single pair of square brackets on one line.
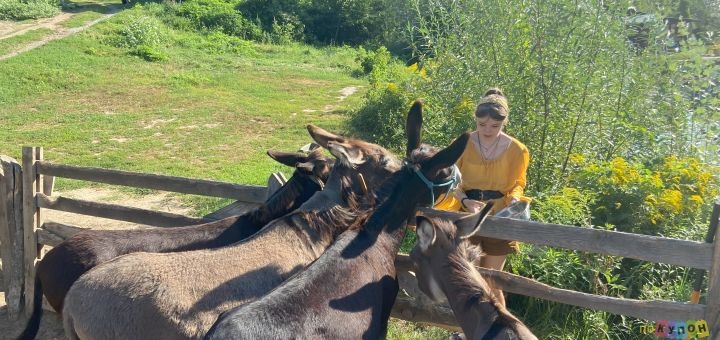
[(9, 29)]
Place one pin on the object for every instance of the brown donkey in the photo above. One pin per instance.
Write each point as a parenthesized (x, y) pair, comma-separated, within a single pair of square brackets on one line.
[(442, 263), (64, 264), (349, 291), (180, 295)]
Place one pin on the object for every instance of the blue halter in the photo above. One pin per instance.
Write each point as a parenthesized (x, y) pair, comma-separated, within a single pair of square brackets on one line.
[(451, 184)]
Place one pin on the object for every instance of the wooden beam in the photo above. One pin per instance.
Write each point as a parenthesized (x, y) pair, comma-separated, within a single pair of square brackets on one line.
[(712, 314), (11, 234), (684, 253), (647, 310), (246, 193), (117, 212), (413, 305), (31, 220), (48, 185), (275, 182), (410, 310)]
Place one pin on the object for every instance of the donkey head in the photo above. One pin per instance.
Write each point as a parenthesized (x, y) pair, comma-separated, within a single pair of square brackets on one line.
[(436, 239), (313, 164), (435, 168), (373, 163)]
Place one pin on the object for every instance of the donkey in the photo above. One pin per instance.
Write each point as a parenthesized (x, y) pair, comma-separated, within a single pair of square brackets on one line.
[(180, 295), (64, 264), (349, 291), (442, 263)]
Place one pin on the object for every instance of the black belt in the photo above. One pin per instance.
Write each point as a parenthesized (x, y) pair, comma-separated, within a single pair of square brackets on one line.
[(483, 195)]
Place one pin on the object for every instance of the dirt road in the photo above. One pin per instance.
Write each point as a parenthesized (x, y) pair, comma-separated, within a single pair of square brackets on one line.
[(9, 29)]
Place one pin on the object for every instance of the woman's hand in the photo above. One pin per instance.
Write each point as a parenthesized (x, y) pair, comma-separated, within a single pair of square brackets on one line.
[(472, 206)]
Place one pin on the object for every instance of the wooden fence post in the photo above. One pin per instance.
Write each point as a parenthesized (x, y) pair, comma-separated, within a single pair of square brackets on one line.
[(32, 184), (11, 234), (275, 182), (712, 309)]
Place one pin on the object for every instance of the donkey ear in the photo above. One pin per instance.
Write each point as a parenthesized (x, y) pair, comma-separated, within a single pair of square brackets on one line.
[(470, 225), (287, 158), (448, 156), (413, 127), (425, 233), (309, 147), (322, 137), (305, 166)]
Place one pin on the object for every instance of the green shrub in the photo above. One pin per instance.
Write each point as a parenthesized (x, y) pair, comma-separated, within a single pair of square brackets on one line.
[(284, 32), (140, 30), (28, 9), (569, 207), (382, 118), (669, 196), (217, 15)]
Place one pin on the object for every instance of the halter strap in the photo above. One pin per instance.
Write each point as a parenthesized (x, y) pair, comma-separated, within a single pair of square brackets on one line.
[(451, 184)]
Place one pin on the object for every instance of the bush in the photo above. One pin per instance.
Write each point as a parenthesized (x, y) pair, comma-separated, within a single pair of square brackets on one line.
[(28, 9), (382, 118), (211, 15), (140, 30)]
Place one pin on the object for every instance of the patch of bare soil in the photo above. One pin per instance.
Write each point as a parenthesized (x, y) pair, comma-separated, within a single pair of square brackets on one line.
[(51, 324)]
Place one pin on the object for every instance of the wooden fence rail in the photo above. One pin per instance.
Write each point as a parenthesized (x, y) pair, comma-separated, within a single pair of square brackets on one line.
[(240, 192), (411, 305)]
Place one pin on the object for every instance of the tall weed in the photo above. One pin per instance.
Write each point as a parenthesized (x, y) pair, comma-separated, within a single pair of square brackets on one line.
[(142, 34)]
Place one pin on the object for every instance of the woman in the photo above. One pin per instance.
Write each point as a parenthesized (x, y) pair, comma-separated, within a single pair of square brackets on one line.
[(493, 168)]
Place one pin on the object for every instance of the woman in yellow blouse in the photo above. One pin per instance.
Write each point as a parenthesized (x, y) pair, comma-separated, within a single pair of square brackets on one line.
[(493, 168)]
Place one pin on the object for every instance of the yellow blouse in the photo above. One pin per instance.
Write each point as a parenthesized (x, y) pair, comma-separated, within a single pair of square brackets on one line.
[(506, 174)]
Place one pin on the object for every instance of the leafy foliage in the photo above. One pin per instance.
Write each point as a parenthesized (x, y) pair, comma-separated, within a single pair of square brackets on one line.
[(667, 197), (211, 15), (140, 30), (28, 9)]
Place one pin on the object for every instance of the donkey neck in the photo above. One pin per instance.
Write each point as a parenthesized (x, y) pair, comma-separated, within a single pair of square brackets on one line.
[(337, 189), (289, 197), (469, 296), (399, 197)]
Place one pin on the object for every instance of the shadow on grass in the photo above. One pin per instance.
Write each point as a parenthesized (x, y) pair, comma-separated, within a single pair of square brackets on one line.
[(100, 7)]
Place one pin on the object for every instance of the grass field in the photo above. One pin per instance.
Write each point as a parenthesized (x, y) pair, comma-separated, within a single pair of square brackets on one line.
[(196, 114)]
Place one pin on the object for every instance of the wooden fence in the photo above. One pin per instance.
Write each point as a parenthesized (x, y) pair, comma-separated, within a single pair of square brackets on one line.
[(25, 194)]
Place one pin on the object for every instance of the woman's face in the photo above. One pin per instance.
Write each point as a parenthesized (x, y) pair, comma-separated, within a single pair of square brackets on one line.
[(488, 127)]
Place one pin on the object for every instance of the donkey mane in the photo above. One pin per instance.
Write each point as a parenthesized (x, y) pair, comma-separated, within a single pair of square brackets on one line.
[(463, 273), (354, 211), (287, 195)]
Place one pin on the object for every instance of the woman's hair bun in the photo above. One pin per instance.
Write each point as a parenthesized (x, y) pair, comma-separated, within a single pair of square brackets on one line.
[(494, 90)]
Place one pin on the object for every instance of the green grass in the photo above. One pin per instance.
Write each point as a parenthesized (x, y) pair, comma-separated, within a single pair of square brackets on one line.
[(10, 44), (81, 19), (196, 114), (89, 103), (404, 330)]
